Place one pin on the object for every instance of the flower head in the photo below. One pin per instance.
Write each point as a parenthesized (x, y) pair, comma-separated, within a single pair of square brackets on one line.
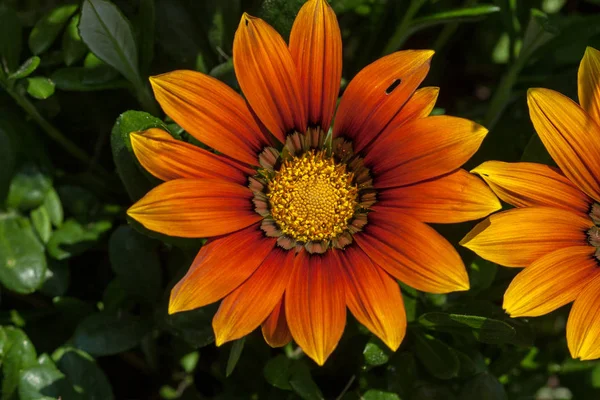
[(303, 221), (554, 231)]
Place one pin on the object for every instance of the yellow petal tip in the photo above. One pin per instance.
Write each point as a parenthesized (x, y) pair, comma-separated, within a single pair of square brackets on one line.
[(393, 344), (131, 211)]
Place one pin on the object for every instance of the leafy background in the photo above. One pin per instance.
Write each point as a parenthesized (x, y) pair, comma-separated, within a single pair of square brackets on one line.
[(84, 291)]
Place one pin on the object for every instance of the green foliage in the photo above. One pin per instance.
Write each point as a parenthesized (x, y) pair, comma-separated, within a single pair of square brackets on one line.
[(85, 289)]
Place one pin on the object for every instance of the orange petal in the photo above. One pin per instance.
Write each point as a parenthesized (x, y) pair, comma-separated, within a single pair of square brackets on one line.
[(529, 184), (168, 159), (377, 93), (570, 135), (315, 305), (373, 297), (211, 112), (275, 328), (518, 237), (583, 326), (412, 252), (419, 105), (221, 266), (250, 304), (551, 281), (267, 75), (456, 197), (588, 83), (423, 149), (316, 47), (195, 208)]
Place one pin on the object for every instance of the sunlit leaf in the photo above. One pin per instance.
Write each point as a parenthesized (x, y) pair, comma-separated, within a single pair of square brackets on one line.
[(484, 329), (47, 29), (73, 48), (22, 258), (468, 14), (40, 87), (18, 354), (26, 69)]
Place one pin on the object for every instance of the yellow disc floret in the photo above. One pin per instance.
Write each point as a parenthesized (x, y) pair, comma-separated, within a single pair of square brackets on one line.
[(312, 198)]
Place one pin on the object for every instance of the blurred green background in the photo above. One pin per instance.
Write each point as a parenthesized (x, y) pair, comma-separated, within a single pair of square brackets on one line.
[(83, 291)]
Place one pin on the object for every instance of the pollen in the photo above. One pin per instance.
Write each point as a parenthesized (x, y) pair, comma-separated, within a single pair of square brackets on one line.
[(312, 198)]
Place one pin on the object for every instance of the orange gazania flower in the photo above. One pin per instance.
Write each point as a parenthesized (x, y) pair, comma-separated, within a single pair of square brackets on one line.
[(554, 231), (304, 222)]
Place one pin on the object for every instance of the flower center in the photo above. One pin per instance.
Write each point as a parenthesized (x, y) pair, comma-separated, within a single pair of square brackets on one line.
[(312, 198)]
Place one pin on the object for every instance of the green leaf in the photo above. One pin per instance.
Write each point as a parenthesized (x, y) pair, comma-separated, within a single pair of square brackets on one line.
[(436, 356), (469, 367), (73, 238), (225, 73), (401, 373), (278, 371), (43, 380), (22, 258), (190, 361), (83, 374), (28, 188), (106, 334), (469, 14), (481, 274), (46, 30), (26, 68), (54, 208), (131, 173), (85, 79), (539, 31), (409, 295), (40, 87), (485, 387), (115, 296), (376, 352), (56, 281), (374, 394), (10, 39), (7, 163), (41, 222), (194, 327), (17, 355), (535, 151), (553, 6), (82, 204), (108, 35), (234, 355), (303, 384), (73, 48), (135, 261), (280, 14), (484, 329)]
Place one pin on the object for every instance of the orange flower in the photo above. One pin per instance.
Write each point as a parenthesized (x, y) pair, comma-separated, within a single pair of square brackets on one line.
[(305, 222), (554, 231)]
